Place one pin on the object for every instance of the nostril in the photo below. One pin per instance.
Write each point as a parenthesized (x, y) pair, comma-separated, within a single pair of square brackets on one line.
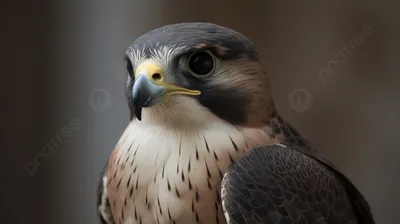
[(156, 76)]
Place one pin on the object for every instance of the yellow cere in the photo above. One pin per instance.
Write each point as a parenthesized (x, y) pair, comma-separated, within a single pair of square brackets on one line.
[(150, 68)]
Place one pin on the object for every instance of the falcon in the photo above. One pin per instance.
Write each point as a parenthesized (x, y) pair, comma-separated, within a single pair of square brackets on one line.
[(205, 143)]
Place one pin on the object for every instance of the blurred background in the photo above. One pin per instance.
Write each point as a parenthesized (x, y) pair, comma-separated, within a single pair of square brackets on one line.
[(334, 66)]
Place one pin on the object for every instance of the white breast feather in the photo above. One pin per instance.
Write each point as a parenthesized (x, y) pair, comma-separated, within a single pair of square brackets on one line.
[(161, 158)]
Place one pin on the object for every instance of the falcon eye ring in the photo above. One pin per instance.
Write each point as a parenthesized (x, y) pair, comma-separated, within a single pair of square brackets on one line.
[(201, 64)]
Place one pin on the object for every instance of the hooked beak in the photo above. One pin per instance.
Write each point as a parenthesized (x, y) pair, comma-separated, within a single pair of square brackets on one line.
[(150, 88)]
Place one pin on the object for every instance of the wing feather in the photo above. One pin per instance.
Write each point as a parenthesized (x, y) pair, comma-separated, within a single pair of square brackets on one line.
[(103, 204), (277, 184)]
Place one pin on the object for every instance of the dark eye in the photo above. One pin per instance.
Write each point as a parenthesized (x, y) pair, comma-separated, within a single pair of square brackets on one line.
[(201, 63), (129, 66)]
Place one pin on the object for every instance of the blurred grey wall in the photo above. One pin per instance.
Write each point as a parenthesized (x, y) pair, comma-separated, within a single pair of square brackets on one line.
[(64, 86)]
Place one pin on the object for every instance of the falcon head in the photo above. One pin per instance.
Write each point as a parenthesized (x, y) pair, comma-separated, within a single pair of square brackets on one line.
[(187, 72)]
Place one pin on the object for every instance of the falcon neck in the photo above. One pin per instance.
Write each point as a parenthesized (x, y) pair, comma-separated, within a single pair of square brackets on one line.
[(287, 134)]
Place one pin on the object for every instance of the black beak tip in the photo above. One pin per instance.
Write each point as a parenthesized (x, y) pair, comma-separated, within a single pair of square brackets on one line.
[(138, 112)]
